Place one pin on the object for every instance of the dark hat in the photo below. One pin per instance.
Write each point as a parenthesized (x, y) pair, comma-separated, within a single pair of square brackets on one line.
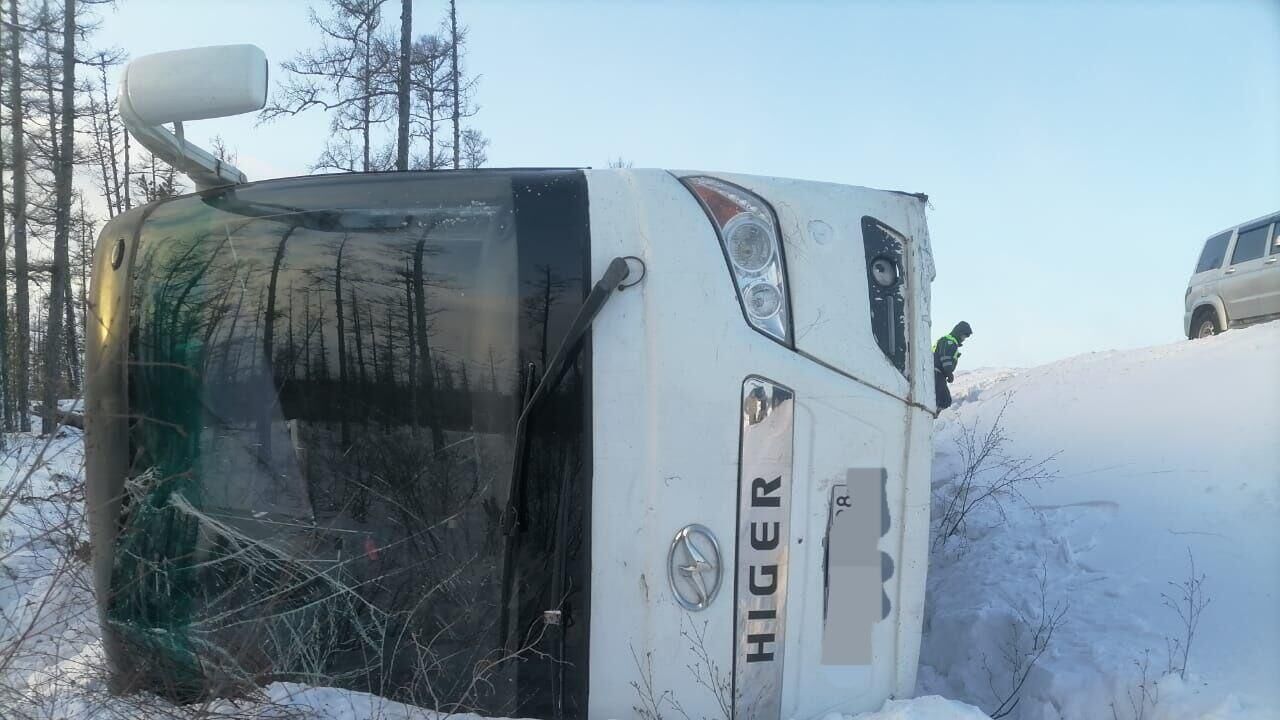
[(962, 328)]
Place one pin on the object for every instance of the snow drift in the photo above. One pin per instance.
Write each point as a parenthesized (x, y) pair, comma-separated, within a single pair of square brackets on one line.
[(1166, 455)]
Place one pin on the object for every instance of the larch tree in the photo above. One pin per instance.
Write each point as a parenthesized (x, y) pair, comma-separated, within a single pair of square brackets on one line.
[(403, 89), (22, 274), (347, 76)]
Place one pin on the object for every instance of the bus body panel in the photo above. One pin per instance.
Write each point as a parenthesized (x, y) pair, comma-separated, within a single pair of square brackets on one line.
[(827, 271), (669, 361)]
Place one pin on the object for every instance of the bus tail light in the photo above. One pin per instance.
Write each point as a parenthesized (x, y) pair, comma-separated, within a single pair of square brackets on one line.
[(752, 244)]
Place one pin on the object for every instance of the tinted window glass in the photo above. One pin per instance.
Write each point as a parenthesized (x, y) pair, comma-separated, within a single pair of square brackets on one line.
[(326, 375), (1250, 245), (1275, 239), (1214, 249)]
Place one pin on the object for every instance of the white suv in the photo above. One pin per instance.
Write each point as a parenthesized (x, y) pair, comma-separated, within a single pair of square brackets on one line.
[(1242, 290)]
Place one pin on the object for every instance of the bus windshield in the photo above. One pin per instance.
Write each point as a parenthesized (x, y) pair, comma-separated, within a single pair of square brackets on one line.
[(324, 379)]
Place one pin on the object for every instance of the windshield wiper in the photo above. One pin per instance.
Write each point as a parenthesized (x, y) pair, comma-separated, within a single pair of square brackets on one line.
[(614, 278)]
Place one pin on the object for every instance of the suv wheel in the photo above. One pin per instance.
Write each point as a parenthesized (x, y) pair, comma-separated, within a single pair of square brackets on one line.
[(1206, 325)]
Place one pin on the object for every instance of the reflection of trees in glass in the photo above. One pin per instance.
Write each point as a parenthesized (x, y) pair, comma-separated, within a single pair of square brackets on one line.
[(544, 294), (370, 555), (424, 345), (342, 341), (174, 324), (268, 339)]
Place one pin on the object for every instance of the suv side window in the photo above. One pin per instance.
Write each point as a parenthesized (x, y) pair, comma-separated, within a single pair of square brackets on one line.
[(1251, 244), (1214, 250), (1275, 238)]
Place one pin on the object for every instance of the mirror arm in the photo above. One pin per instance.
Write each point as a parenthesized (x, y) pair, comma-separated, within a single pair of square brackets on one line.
[(205, 170)]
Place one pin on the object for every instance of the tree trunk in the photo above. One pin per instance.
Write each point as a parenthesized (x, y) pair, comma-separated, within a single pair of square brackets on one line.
[(308, 368), (389, 381), (322, 360), (457, 86), (268, 344), (71, 349), (546, 316), (6, 391), (402, 86), (22, 294), (128, 196), (424, 346), (111, 166), (269, 328), (413, 347), (357, 328), (373, 346), (292, 373), (343, 390), (366, 104), (64, 158)]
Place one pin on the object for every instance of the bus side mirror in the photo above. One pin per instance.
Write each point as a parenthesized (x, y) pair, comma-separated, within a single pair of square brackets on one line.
[(195, 84)]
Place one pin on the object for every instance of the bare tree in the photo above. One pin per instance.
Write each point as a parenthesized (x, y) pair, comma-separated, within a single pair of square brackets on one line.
[(22, 279), (156, 181), (85, 231), (455, 44), (403, 90), (469, 144), (474, 148), (6, 394), (347, 77), (64, 158), (431, 89), (106, 132), (222, 151)]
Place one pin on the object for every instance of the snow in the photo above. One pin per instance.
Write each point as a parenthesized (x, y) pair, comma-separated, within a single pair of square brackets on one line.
[(930, 707), (1162, 455)]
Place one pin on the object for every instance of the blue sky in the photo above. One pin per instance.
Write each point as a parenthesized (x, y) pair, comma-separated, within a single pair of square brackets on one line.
[(1076, 154)]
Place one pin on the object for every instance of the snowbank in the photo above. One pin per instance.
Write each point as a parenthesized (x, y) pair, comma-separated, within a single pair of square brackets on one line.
[(1164, 454), (930, 707)]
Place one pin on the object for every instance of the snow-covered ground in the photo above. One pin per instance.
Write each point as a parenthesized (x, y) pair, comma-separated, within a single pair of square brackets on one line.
[(1162, 455)]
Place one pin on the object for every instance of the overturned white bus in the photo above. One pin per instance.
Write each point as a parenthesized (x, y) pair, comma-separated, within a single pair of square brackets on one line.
[(523, 443)]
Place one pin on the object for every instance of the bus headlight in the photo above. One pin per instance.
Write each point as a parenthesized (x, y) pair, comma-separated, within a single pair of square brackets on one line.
[(749, 243), (884, 271), (762, 300), (752, 245)]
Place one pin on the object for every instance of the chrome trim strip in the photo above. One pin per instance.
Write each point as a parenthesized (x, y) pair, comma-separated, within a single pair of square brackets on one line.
[(764, 515)]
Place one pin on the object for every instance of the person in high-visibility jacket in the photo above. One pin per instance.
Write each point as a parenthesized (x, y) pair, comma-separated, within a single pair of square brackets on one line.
[(946, 354)]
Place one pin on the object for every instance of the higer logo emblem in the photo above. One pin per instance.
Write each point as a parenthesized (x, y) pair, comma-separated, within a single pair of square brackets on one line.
[(693, 567)]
